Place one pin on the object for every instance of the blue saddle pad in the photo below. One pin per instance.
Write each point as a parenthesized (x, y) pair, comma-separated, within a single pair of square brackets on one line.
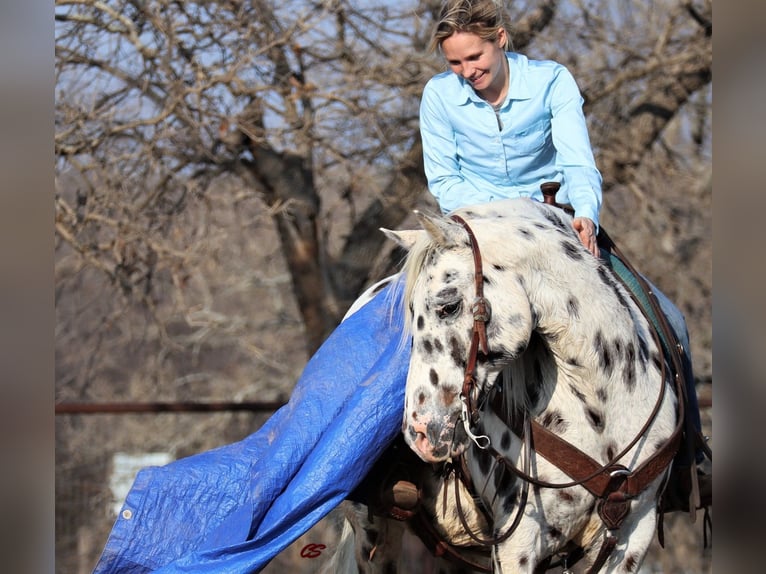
[(234, 508)]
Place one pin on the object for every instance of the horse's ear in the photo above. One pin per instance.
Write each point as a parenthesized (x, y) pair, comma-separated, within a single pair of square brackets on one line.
[(405, 238), (443, 231)]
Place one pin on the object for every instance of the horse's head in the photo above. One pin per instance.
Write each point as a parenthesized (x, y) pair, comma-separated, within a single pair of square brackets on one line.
[(441, 291)]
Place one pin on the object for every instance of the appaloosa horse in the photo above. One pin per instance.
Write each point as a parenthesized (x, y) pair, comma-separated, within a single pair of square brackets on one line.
[(536, 383)]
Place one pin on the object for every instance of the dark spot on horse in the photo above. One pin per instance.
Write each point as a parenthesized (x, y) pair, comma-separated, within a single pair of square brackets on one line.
[(601, 394), (438, 345), (523, 560), (433, 376), (485, 461), (421, 322), (426, 346), (630, 375), (450, 276), (610, 452), (631, 561), (498, 267), (554, 532), (421, 400), (574, 252), (525, 233), (565, 495), (603, 352), (577, 392), (457, 353), (441, 450), (505, 440), (486, 279), (509, 503), (596, 419), (573, 361), (574, 308), (643, 350), (557, 223), (497, 476), (554, 422), (448, 396)]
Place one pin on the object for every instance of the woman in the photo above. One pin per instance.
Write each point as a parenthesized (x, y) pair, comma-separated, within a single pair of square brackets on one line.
[(497, 125)]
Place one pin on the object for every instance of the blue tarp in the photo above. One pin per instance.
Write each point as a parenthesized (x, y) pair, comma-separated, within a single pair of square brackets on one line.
[(234, 508)]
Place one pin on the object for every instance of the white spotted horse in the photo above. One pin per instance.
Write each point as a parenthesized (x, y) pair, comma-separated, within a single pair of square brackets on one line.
[(538, 393)]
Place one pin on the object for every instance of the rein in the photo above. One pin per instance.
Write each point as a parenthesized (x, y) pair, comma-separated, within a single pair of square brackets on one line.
[(613, 484)]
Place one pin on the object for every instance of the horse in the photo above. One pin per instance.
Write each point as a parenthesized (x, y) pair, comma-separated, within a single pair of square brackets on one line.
[(538, 396)]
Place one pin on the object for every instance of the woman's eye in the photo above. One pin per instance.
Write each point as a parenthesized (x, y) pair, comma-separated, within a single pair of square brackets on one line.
[(448, 310)]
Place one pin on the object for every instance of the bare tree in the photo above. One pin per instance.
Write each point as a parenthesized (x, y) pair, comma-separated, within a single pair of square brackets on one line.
[(306, 113)]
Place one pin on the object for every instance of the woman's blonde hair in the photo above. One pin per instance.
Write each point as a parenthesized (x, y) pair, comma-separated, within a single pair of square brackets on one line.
[(485, 18)]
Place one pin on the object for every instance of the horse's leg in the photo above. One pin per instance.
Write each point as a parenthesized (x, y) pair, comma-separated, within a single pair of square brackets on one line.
[(636, 535), (378, 542)]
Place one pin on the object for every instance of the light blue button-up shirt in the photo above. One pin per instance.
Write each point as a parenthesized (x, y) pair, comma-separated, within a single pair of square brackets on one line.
[(473, 155)]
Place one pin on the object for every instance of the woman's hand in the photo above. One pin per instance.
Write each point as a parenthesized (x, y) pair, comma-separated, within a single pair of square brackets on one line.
[(586, 229)]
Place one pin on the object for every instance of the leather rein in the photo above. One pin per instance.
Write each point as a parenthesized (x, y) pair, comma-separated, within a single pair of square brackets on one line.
[(613, 484)]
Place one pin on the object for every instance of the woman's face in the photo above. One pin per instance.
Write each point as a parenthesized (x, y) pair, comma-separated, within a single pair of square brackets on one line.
[(480, 62)]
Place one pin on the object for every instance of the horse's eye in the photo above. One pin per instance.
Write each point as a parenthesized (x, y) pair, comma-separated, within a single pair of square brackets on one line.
[(448, 310)]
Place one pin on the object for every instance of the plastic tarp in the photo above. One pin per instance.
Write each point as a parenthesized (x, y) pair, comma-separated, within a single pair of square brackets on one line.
[(234, 508)]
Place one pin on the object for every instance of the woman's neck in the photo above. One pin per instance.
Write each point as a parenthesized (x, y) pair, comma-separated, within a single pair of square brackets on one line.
[(494, 95)]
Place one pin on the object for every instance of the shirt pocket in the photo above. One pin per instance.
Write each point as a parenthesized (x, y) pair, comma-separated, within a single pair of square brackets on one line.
[(530, 140)]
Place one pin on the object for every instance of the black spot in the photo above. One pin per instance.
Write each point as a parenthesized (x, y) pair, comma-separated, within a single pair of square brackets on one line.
[(565, 496), (554, 532), (602, 394), (571, 250), (643, 349), (631, 561), (596, 419), (498, 475), (525, 233), (505, 440), (433, 377), (438, 345), (450, 276), (421, 399), (509, 504), (574, 308), (577, 392), (457, 352), (573, 361), (554, 422), (484, 459), (426, 346), (610, 452), (523, 560), (421, 322), (498, 267), (603, 352)]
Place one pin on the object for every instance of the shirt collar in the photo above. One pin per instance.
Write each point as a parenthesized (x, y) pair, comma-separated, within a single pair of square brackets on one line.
[(518, 65)]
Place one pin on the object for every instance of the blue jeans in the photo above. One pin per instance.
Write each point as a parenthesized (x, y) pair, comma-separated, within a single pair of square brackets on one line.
[(678, 324)]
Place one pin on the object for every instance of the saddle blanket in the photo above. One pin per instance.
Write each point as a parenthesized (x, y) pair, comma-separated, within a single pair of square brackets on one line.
[(234, 508)]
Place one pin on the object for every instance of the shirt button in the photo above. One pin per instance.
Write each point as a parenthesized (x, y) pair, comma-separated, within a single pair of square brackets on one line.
[(127, 514)]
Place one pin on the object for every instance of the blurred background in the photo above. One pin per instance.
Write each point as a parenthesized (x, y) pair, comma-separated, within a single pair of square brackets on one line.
[(222, 169)]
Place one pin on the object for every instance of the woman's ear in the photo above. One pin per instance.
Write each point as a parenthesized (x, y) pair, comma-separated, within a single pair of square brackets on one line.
[(502, 38)]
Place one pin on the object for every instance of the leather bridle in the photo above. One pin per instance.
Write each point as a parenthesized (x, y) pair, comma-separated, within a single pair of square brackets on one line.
[(613, 484)]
